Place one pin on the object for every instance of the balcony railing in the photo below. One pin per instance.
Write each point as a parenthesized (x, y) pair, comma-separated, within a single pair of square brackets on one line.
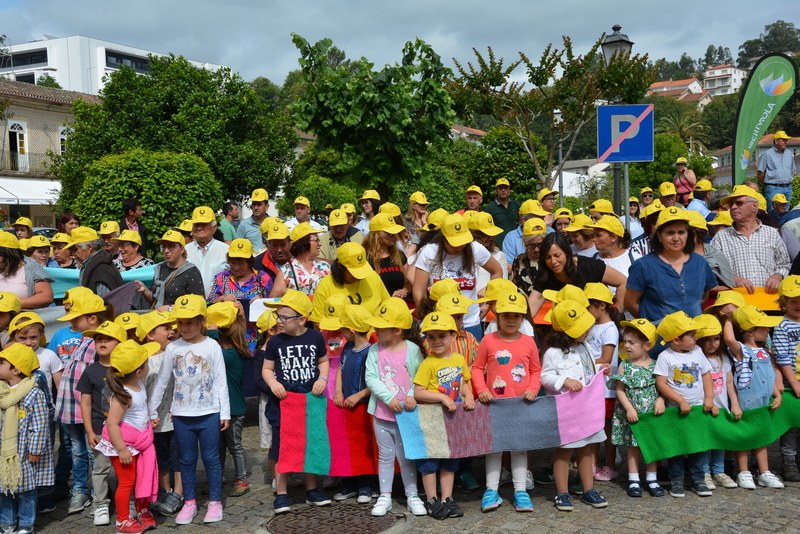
[(30, 162)]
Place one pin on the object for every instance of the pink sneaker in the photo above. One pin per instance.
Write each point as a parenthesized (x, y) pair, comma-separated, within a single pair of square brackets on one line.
[(214, 512), (606, 473), (187, 513)]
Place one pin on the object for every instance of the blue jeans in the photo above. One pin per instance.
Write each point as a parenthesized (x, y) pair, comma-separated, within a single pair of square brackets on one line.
[(82, 459), (715, 462), (476, 331), (20, 505), (64, 464), (190, 431), (772, 190), (696, 462)]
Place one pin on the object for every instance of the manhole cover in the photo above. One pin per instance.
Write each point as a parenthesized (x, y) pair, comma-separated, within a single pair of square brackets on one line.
[(344, 519)]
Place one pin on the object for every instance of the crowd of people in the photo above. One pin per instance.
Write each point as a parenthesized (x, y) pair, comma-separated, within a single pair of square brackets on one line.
[(501, 299)]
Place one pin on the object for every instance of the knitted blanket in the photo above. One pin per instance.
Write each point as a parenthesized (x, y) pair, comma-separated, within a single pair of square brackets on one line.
[(672, 434), (146, 465)]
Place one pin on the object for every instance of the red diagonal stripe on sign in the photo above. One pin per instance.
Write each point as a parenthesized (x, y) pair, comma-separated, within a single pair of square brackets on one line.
[(624, 135)]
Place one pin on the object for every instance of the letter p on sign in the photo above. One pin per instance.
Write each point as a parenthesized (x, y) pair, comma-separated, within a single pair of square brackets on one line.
[(625, 133)]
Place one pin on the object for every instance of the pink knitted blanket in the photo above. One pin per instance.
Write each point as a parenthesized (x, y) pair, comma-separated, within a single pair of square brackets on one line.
[(146, 465)]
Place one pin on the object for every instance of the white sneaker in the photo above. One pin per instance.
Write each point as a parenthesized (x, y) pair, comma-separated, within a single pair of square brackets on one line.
[(384, 505), (528, 480), (505, 476), (745, 480), (724, 480), (274, 485), (416, 506), (769, 480), (709, 482), (101, 515)]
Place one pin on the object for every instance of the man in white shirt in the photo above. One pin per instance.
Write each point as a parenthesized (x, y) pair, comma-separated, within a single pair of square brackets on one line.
[(302, 210), (207, 254)]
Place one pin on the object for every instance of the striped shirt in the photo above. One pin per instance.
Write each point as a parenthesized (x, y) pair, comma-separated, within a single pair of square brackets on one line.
[(755, 258), (68, 401), (465, 344)]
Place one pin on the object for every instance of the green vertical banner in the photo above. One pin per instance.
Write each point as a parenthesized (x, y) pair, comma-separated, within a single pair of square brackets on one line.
[(768, 87)]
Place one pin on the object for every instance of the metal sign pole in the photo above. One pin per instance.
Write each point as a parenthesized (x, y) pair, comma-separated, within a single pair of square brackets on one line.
[(625, 203)]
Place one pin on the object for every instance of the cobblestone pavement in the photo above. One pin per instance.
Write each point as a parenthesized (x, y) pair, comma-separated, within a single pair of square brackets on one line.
[(732, 510)]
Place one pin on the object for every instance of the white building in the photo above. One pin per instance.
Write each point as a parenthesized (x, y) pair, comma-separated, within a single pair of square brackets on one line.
[(78, 63), (724, 80)]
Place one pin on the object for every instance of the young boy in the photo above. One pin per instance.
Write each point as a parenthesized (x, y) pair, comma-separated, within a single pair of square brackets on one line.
[(26, 442), (156, 327), (95, 402), (443, 377), (683, 377), (294, 360), (9, 308), (351, 387), (785, 340)]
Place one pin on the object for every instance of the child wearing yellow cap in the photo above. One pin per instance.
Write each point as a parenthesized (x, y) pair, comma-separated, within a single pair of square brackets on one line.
[(444, 378), (28, 328), (267, 326), (785, 340), (757, 384), (26, 455), (683, 377)]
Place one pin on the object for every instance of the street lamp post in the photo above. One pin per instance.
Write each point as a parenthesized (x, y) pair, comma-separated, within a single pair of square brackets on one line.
[(558, 117), (612, 44)]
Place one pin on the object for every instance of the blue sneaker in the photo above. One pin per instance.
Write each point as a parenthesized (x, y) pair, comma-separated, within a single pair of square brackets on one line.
[(593, 498), (317, 498), (522, 502), (563, 502), (281, 504), (491, 500), (468, 481)]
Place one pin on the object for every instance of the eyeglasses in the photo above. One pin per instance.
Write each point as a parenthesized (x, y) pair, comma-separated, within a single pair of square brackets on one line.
[(533, 246), (286, 318), (170, 246), (740, 203), (315, 240)]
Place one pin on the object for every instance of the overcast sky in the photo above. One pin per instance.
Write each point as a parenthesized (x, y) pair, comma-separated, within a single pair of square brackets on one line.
[(253, 36)]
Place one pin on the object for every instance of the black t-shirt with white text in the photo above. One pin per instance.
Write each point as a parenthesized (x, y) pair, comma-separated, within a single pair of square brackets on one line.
[(296, 357)]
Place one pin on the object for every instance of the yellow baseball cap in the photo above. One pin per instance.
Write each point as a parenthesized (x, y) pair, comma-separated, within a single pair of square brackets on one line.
[(780, 198), (456, 230), (666, 189), (83, 303), (670, 215), (390, 209), (129, 321), (109, 329), (474, 189), (681, 160), (780, 135), (267, 223), (545, 192), (81, 234), (435, 220), (602, 205), (384, 222), (439, 321), (9, 302), (338, 217), (22, 357), (646, 190), (599, 291), (128, 356), (296, 300), (128, 236), (356, 318), (418, 197), (201, 215), (580, 222), (26, 319), (259, 195), (188, 307), (762, 202), (571, 318), (790, 286), (568, 292), (609, 223), (562, 212), (482, 222), (675, 325), (633, 200), (353, 257), (696, 220), (277, 230), (453, 303), (369, 194), (511, 302), (23, 221), (38, 241), (496, 287), (23, 244), (644, 326), (392, 313), (61, 238), (348, 208), (109, 227), (266, 320), (750, 316), (302, 201), (333, 310), (739, 191), (707, 325), (223, 314), (533, 207), (703, 185), (728, 297), (172, 236), (301, 230), (654, 207), (535, 226), (184, 226), (443, 287), (71, 294), (9, 240), (502, 181), (328, 206), (240, 248)]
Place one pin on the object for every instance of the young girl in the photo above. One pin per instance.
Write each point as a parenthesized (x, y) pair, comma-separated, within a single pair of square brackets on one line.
[(603, 341), (391, 366), (128, 436), (785, 340), (507, 365), (267, 326), (227, 318), (709, 340), (568, 366), (9, 308), (756, 381), (331, 329), (200, 408), (636, 393)]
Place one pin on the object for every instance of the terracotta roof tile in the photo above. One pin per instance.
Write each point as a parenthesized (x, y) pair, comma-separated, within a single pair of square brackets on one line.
[(466, 130), (45, 94)]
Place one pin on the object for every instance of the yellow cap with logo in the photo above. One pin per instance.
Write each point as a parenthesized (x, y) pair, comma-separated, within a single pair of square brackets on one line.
[(392, 313), (562, 212), (453, 303), (750, 316), (128, 356), (338, 218), (728, 297), (384, 222), (533, 207), (439, 321), (301, 230), (276, 230), (71, 294), (185, 226), (419, 197), (456, 230), (223, 314), (644, 326), (544, 193), (602, 205), (443, 287), (675, 325), (26, 319), (496, 287), (149, 321), (83, 303), (240, 248), (203, 214), (23, 221), (348, 207), (268, 319), (671, 215), (108, 329), (302, 201), (501, 182), (482, 222), (189, 306), (435, 220), (707, 325), (739, 191), (172, 236), (511, 302), (666, 189), (39, 241), (259, 195), (704, 185), (61, 238), (609, 223), (780, 198), (655, 207), (599, 291), (722, 218), (571, 318), (128, 321), (568, 292), (790, 286), (633, 200), (333, 310), (22, 357), (81, 234), (370, 194), (353, 257), (128, 236), (296, 300), (579, 222), (109, 227), (474, 189), (356, 318)]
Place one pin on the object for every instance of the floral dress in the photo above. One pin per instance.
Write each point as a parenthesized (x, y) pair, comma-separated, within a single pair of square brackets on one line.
[(257, 285), (640, 388), (300, 279)]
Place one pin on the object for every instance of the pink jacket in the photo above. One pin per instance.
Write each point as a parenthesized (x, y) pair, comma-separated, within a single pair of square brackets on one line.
[(146, 465)]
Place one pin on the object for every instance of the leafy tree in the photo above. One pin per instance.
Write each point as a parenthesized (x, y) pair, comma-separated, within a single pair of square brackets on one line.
[(170, 186), (668, 148), (685, 67), (715, 56), (319, 191), (324, 162), (668, 105), (48, 81), (688, 127), (267, 93), (719, 117), (780, 36), (178, 107), (382, 122), (560, 83)]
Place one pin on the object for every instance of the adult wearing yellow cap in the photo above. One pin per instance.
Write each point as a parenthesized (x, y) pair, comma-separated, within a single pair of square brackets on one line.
[(62, 255), (130, 252), (526, 265), (205, 252), (417, 214), (646, 195), (304, 270), (757, 254), (109, 230), (98, 272), (250, 228), (776, 169), (613, 243), (512, 243), (302, 214), (23, 228), (370, 203), (702, 190), (386, 257), (684, 181), (276, 236), (779, 205), (505, 211), (340, 233), (39, 249), (633, 218), (173, 277), (474, 198)]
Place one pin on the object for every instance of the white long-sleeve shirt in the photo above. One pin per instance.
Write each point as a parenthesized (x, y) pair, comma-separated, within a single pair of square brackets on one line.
[(558, 365), (201, 386)]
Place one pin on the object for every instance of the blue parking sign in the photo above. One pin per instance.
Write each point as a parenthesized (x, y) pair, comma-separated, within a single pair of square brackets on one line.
[(625, 133)]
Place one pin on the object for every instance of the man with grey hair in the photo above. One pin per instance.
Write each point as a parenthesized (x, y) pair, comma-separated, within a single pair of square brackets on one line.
[(97, 269), (206, 253)]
